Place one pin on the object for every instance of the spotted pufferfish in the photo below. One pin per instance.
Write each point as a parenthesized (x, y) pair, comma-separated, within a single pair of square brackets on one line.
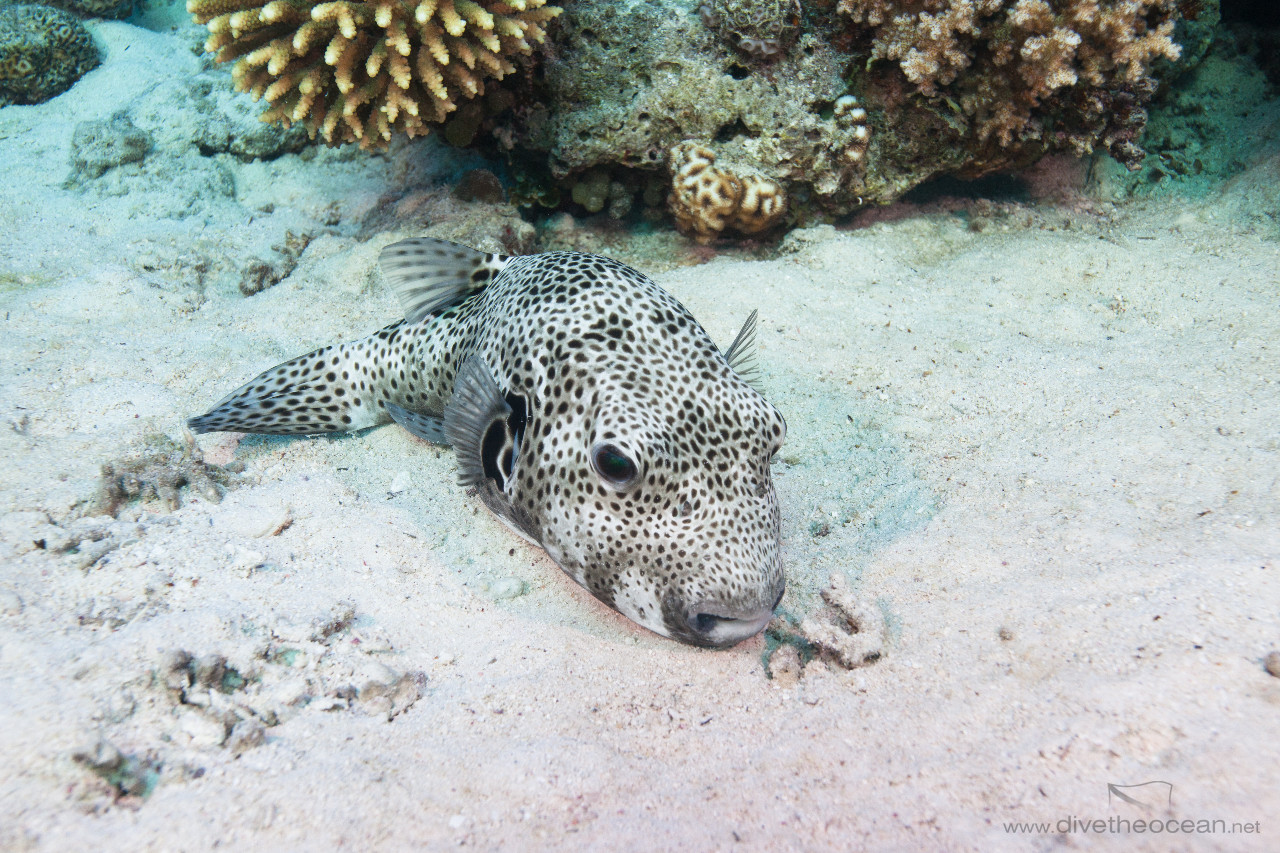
[(587, 407)]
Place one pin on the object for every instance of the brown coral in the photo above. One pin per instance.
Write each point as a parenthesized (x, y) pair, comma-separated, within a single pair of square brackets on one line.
[(1002, 63), (707, 199), (357, 71)]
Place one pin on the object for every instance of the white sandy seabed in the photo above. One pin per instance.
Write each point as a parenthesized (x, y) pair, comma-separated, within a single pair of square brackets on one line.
[(1048, 453)]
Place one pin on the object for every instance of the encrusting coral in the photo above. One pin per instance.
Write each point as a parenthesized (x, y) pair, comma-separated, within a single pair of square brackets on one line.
[(763, 29), (707, 199), (357, 71), (1007, 64)]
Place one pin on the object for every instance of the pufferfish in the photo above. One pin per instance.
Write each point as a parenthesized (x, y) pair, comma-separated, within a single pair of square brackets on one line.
[(587, 407)]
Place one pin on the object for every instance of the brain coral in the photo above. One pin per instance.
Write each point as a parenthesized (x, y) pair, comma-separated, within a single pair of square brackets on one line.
[(707, 199), (357, 71), (42, 52)]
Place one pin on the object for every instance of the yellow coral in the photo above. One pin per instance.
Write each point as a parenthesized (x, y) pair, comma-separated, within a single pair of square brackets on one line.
[(359, 71), (707, 200)]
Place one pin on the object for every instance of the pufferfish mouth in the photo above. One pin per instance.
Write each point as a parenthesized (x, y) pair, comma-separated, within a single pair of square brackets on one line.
[(715, 625)]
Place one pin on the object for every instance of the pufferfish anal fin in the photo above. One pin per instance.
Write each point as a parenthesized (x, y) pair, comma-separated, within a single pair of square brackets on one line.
[(431, 276), (741, 354), (475, 424), (427, 427)]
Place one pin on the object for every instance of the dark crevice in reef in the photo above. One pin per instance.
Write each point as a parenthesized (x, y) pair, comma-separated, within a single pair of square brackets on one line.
[(1263, 14), (1255, 27), (999, 187)]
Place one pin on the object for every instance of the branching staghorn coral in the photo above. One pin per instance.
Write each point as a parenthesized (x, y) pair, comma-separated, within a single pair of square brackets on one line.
[(999, 62), (357, 71)]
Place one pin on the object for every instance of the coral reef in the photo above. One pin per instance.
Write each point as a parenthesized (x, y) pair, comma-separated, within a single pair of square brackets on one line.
[(42, 52), (617, 192), (355, 71), (841, 104), (618, 92), (707, 199), (1201, 132)]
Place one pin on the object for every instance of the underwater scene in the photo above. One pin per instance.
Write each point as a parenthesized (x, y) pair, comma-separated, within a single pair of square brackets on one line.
[(779, 425)]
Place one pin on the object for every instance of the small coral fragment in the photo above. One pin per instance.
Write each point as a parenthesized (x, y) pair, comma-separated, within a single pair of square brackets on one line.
[(127, 776), (358, 71), (707, 200)]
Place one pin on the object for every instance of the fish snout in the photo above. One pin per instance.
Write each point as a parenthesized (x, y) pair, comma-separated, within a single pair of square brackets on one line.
[(719, 625)]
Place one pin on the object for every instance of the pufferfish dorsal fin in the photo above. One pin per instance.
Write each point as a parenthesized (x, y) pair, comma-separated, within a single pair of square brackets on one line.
[(476, 407), (741, 354), (431, 276)]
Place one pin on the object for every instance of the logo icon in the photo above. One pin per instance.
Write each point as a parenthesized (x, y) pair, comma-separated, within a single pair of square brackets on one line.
[(1147, 795)]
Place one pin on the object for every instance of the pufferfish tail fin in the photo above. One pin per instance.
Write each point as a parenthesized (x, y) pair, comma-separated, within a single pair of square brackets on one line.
[(338, 388), (431, 276)]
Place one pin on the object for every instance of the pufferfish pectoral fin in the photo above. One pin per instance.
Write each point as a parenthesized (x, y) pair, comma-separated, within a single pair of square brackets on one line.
[(483, 426), (431, 276), (427, 427), (741, 354)]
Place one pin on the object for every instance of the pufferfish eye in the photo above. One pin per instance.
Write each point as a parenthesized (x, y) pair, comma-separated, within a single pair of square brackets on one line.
[(614, 467)]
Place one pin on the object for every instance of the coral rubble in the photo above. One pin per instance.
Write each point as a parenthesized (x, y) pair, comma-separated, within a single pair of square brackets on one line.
[(852, 633), (102, 144), (357, 71), (158, 471), (42, 52)]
